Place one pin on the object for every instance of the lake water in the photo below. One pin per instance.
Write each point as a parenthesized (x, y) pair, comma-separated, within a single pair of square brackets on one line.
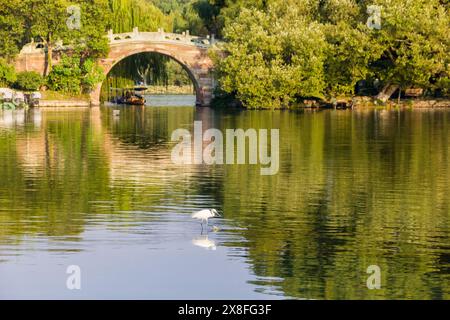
[(170, 100), (355, 188)]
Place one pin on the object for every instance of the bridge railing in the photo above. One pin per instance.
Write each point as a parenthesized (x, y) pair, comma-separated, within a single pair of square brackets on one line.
[(160, 35), (135, 35)]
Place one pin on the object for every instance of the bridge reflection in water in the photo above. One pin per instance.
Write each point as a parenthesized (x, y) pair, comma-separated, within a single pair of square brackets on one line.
[(80, 186)]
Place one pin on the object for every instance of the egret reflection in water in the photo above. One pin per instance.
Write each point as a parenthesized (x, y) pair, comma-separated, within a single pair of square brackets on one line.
[(204, 242)]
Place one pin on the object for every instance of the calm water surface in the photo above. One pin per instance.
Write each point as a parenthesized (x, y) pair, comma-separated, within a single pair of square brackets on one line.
[(355, 188)]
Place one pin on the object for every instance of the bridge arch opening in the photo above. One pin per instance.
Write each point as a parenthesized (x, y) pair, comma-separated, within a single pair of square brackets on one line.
[(150, 68)]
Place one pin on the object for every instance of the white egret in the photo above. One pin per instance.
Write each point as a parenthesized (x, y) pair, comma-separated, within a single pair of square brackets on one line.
[(205, 214)]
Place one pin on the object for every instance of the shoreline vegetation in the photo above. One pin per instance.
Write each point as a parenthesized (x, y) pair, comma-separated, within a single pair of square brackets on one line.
[(273, 54), (355, 103), (352, 102), (57, 99)]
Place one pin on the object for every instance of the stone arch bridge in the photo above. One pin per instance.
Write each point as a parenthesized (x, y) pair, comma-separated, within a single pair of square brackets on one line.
[(190, 51)]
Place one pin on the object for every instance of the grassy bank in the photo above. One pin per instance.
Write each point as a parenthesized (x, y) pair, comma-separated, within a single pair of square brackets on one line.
[(57, 99), (170, 90), (59, 96)]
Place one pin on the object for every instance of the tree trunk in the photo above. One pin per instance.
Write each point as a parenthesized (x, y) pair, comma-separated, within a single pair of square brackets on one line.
[(143, 74), (387, 91), (48, 56)]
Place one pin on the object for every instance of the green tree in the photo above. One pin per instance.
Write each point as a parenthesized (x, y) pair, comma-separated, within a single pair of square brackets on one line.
[(127, 14), (7, 73), (90, 40), (410, 49), (12, 27), (414, 40), (187, 18), (350, 48), (91, 75), (272, 57), (73, 76), (209, 12), (29, 80), (48, 23), (216, 14), (66, 76)]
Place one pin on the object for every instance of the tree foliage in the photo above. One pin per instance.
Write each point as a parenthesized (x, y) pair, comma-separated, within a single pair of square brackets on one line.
[(284, 50), (89, 40), (414, 41), (48, 24), (272, 57), (12, 27), (72, 76), (7, 73), (29, 80), (127, 14), (66, 76)]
